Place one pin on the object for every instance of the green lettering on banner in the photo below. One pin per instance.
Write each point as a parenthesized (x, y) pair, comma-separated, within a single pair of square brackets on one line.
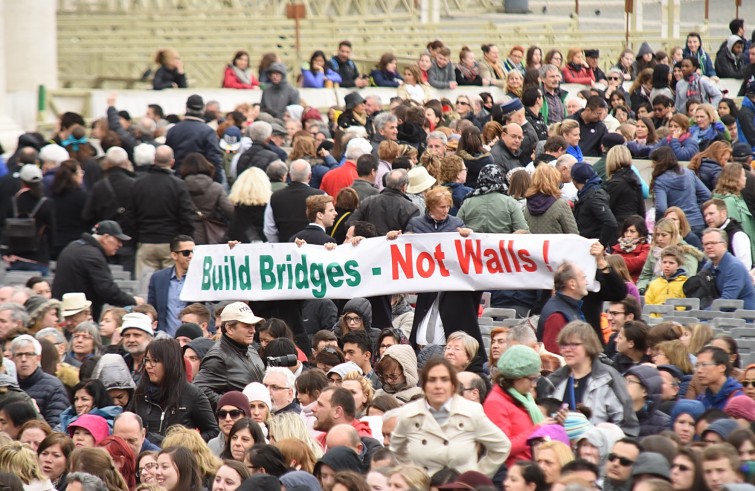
[(267, 274), (206, 270), (319, 280), (353, 272), (245, 275), (335, 272), (301, 273)]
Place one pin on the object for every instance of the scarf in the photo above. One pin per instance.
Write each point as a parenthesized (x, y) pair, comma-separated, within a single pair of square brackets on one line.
[(490, 180), (71, 140), (242, 75), (693, 86), (359, 118), (629, 245), (497, 70), (593, 182), (467, 72), (529, 404)]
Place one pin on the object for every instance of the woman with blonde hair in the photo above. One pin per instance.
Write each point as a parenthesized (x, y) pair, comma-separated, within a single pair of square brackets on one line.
[(413, 87), (250, 194), (551, 457), (361, 389), (569, 130), (675, 353), (20, 460), (290, 425), (729, 189), (625, 196), (677, 215), (707, 128), (618, 264), (666, 233), (181, 436), (409, 477), (709, 163), (699, 337), (546, 212), (171, 74), (298, 455), (576, 70), (98, 462), (514, 84)]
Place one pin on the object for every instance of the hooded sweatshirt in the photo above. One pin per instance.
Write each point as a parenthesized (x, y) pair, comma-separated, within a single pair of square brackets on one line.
[(603, 438), (652, 420), (276, 97), (113, 373), (661, 289), (404, 355), (339, 459), (729, 65), (361, 307)]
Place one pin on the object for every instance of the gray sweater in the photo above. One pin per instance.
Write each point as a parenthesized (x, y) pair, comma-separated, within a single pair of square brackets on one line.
[(441, 77)]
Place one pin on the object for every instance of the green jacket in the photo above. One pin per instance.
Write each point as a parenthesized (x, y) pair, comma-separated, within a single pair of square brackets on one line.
[(737, 210), (492, 213)]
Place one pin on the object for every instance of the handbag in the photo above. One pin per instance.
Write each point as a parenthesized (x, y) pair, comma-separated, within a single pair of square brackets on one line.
[(702, 286), (215, 229)]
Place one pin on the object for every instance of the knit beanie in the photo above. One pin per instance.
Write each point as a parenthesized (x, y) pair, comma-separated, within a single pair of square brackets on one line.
[(741, 407), (582, 172), (576, 424), (519, 361), (189, 330), (258, 392), (722, 427), (236, 399), (687, 406)]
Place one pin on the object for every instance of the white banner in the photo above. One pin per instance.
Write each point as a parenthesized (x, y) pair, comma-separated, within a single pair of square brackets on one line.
[(411, 263)]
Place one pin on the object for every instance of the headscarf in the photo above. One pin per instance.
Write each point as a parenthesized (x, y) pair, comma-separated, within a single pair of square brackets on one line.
[(490, 180)]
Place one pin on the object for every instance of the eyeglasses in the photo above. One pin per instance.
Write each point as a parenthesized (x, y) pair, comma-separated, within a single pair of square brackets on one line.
[(515, 137), (614, 313), (24, 355), (455, 349), (234, 413), (275, 387), (151, 361), (385, 346), (391, 376), (351, 319), (681, 467), (185, 252), (632, 381), (569, 346), (625, 462), (747, 383), (467, 389), (705, 364), (147, 467)]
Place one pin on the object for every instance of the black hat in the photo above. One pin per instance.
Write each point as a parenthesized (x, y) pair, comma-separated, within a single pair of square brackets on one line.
[(125, 115), (189, 330), (195, 103), (741, 151), (592, 53), (513, 105), (110, 227), (610, 140), (353, 99)]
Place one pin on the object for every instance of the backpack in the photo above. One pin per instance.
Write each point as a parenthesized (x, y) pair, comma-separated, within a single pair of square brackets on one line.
[(702, 286), (21, 233)]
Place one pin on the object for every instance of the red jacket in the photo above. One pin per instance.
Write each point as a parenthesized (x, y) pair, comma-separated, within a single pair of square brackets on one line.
[(362, 428), (584, 76), (635, 260), (231, 81), (513, 420), (339, 178)]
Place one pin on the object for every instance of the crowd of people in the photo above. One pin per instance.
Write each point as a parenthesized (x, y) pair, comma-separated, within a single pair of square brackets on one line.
[(116, 386)]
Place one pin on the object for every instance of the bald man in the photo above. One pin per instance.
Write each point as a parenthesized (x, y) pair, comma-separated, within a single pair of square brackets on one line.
[(345, 435), (506, 152)]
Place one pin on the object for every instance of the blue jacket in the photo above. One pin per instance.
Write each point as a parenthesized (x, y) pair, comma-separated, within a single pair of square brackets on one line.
[(731, 388), (684, 190), (193, 135), (157, 295), (426, 224), (575, 152), (733, 280), (715, 132), (69, 416), (684, 148), (381, 78), (458, 192), (706, 66), (320, 169), (708, 172), (316, 80)]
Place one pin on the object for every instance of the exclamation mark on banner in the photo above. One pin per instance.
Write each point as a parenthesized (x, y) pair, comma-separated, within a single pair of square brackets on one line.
[(545, 254)]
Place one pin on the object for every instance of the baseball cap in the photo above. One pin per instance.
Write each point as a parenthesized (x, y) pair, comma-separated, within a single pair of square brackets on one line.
[(110, 227), (139, 321), (241, 312), (195, 102), (738, 150), (30, 173)]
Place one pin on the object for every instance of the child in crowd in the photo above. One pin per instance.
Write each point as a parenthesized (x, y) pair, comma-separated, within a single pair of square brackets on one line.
[(671, 281)]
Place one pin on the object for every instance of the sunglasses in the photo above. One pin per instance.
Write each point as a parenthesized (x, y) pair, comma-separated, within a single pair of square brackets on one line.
[(747, 383), (681, 467), (462, 103), (613, 78), (185, 252), (234, 413), (625, 462)]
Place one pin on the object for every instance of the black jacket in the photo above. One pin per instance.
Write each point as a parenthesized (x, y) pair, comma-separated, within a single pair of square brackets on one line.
[(193, 412), (68, 222), (102, 204), (228, 366), (505, 158), (259, 155), (389, 210), (193, 135), (82, 267), (594, 217), (247, 223), (161, 207), (313, 234), (49, 393), (625, 194), (538, 122), (290, 208), (590, 135), (166, 77), (474, 166)]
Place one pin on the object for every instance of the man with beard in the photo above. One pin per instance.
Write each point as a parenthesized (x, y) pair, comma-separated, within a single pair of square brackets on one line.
[(336, 406), (137, 333)]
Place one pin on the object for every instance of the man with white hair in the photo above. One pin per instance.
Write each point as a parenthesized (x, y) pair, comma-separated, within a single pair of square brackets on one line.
[(144, 156), (344, 176), (48, 392), (564, 164), (110, 199), (286, 212), (280, 382), (436, 143), (386, 128), (260, 154), (13, 319), (50, 158)]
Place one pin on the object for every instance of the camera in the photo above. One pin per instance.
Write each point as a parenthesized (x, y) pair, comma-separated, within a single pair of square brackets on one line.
[(282, 361)]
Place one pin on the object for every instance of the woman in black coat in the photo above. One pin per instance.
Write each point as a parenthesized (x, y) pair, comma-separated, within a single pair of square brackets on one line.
[(69, 199), (473, 153), (164, 398), (623, 185)]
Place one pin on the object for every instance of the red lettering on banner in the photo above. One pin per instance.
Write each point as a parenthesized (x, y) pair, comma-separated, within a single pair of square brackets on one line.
[(527, 263), (493, 262), (467, 251), (440, 257), (425, 265), (504, 256), (403, 262)]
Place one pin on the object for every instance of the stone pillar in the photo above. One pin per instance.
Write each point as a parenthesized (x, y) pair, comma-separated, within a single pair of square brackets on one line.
[(636, 21), (670, 19), (429, 11)]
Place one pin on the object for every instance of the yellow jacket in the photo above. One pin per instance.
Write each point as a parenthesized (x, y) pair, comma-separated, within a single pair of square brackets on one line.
[(661, 289)]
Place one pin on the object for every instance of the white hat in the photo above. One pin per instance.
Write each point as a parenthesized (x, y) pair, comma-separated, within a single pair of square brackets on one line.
[(30, 173), (344, 368), (239, 311), (53, 153), (258, 392), (419, 180), (136, 320), (73, 303)]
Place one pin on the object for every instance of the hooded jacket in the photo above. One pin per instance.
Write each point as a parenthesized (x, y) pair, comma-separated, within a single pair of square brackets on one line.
[(662, 288), (708, 172), (113, 372), (593, 214), (339, 459), (276, 97), (404, 355), (625, 194), (729, 65), (652, 420), (731, 388), (548, 215), (603, 438), (682, 189)]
